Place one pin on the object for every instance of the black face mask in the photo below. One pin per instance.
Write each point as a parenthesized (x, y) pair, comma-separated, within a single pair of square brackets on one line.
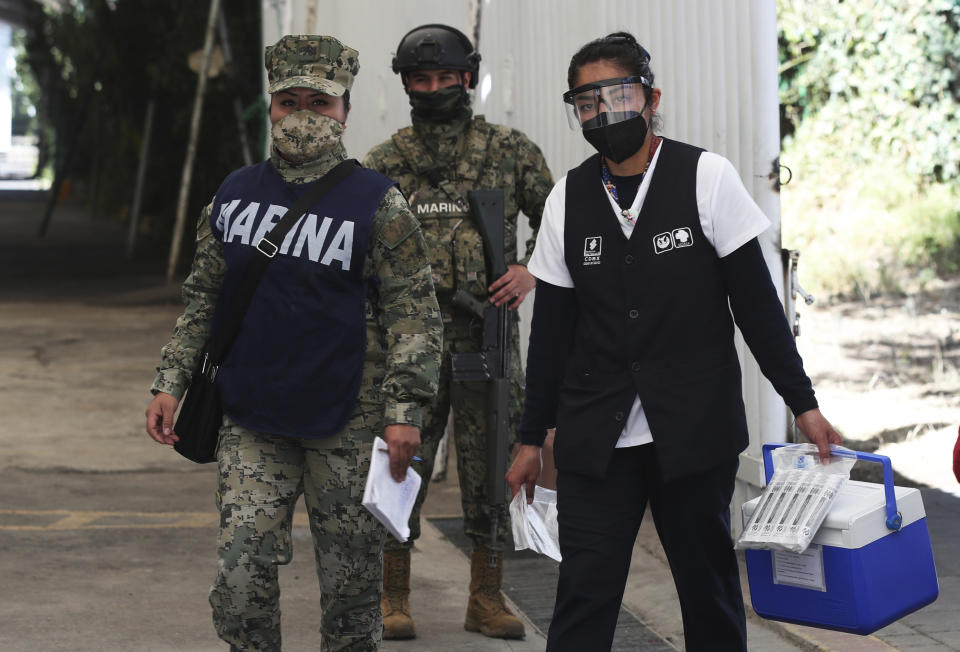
[(442, 105), (620, 140)]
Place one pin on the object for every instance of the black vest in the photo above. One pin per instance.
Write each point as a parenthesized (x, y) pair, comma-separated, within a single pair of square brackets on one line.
[(653, 321), (296, 366)]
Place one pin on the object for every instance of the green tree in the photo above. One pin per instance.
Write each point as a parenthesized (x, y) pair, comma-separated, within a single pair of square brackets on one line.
[(97, 64), (870, 97)]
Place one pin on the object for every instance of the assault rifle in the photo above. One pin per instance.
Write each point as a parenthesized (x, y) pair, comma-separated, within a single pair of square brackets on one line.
[(491, 364)]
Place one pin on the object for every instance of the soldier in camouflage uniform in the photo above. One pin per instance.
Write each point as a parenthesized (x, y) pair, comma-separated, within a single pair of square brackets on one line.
[(266, 458), (447, 152)]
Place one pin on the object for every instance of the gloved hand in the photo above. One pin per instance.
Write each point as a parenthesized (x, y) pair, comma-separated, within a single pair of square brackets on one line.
[(956, 458)]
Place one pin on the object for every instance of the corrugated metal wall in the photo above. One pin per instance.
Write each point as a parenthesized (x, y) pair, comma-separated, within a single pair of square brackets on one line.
[(715, 61), (374, 28)]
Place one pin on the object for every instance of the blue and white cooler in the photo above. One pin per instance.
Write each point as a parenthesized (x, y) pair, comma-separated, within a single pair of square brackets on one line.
[(869, 564)]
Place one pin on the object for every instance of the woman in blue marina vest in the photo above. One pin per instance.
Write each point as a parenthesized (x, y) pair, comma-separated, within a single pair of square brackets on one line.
[(644, 251), (340, 344)]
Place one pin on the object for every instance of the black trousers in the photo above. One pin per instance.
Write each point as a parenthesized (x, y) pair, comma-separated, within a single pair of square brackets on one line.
[(599, 520)]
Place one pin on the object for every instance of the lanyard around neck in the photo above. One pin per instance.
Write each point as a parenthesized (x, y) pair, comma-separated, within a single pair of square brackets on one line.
[(628, 215)]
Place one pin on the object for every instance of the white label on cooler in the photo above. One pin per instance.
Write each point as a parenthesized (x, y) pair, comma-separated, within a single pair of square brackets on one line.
[(804, 570)]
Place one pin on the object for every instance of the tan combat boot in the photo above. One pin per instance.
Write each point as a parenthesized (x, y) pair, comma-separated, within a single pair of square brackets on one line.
[(487, 612), (395, 602)]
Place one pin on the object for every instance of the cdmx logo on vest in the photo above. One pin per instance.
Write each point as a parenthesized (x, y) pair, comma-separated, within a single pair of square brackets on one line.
[(592, 246), (669, 240)]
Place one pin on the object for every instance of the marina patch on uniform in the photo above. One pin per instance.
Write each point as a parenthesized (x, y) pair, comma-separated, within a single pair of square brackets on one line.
[(592, 246), (669, 240), (457, 207)]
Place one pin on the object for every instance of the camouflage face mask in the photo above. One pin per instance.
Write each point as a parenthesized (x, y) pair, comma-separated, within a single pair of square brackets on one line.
[(304, 136), (444, 105)]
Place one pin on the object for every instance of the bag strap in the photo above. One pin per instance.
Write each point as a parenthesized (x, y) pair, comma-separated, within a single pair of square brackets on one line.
[(219, 345)]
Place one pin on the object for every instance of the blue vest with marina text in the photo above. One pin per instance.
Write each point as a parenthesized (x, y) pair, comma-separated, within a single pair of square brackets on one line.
[(295, 368)]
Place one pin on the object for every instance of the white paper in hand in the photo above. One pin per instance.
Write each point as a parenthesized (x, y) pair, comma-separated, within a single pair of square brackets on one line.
[(535, 525), (390, 501)]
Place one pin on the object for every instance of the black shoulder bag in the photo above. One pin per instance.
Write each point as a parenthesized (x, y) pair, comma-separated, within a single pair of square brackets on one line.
[(201, 414)]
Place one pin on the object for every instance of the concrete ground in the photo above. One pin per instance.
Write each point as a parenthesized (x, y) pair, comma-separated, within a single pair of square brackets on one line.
[(108, 539)]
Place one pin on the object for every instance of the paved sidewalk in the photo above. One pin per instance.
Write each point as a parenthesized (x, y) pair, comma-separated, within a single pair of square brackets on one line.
[(935, 628), (108, 540), (438, 601)]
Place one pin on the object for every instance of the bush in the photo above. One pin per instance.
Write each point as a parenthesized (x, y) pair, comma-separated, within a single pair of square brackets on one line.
[(870, 95)]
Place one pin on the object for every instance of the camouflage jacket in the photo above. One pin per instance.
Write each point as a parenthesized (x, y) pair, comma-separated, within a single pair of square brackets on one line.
[(441, 162), (404, 329)]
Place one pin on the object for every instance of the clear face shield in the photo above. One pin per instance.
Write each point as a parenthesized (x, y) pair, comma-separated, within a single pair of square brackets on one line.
[(605, 102)]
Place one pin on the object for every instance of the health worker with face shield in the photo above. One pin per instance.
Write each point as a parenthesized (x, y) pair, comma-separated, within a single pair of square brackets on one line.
[(643, 252), (341, 343), (446, 153)]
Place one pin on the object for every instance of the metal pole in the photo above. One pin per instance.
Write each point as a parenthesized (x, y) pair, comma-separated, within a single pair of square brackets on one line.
[(237, 104), (63, 168), (95, 172), (192, 143), (474, 19), (311, 21), (141, 173)]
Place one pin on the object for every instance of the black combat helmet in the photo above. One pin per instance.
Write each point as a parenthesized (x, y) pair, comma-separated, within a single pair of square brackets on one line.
[(437, 47)]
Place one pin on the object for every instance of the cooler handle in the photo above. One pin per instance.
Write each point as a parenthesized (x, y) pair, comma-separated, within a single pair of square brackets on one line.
[(894, 518)]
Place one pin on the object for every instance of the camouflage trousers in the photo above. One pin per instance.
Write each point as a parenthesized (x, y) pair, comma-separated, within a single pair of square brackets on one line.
[(261, 478), (469, 403)]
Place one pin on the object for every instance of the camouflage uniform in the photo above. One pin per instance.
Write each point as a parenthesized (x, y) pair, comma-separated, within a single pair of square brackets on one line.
[(435, 165), (262, 475)]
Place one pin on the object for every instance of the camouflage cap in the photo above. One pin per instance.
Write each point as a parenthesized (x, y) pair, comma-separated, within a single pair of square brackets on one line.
[(319, 62)]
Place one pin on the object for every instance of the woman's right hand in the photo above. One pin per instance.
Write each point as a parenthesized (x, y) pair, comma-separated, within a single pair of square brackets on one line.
[(524, 471), (160, 418)]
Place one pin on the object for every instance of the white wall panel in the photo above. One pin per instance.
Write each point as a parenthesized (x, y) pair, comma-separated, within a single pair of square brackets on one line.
[(714, 60), (373, 28)]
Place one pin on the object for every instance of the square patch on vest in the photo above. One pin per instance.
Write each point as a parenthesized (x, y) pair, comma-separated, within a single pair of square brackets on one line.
[(592, 246), (682, 237), (662, 242)]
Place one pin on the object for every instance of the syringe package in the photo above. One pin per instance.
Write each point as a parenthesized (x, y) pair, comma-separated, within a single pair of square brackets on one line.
[(797, 498)]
